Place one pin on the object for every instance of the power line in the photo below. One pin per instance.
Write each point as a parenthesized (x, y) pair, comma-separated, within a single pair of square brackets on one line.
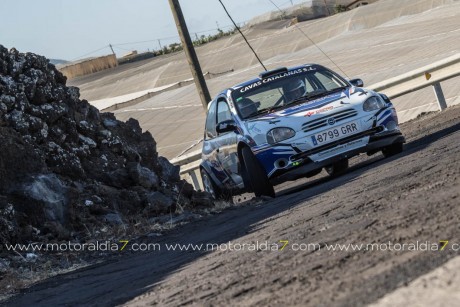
[(244, 37), (89, 53), (121, 48), (305, 34), (211, 30), (146, 41), (141, 42), (168, 38), (284, 3)]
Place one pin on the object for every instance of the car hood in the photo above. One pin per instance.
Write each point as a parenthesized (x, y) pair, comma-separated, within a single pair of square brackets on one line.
[(297, 115)]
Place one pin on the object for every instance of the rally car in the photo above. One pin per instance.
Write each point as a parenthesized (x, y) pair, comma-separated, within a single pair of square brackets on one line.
[(290, 123)]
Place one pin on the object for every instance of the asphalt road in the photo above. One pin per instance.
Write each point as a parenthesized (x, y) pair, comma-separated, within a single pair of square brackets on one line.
[(411, 197)]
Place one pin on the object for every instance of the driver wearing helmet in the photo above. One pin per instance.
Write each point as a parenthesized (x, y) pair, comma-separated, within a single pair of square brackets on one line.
[(294, 89)]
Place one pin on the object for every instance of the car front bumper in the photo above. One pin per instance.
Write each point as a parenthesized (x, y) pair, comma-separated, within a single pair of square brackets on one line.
[(302, 164)]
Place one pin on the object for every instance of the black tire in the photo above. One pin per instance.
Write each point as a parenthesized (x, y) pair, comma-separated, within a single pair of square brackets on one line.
[(256, 174), (392, 150), (337, 168), (313, 173), (211, 187)]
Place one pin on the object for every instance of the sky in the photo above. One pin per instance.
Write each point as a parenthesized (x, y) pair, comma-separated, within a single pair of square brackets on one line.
[(75, 29)]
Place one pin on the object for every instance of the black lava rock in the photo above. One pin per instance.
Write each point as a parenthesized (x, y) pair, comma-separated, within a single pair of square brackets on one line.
[(65, 168)]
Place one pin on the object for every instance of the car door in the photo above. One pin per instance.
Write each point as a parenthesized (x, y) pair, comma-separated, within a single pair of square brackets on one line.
[(211, 146), (227, 146)]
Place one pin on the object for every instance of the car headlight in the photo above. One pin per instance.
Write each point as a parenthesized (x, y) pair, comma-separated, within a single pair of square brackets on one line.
[(277, 135), (373, 103)]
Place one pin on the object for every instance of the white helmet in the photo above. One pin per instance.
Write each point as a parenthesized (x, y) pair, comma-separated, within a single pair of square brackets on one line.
[(295, 89)]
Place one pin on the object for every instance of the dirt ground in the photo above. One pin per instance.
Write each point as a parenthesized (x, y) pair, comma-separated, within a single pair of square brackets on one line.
[(412, 197)]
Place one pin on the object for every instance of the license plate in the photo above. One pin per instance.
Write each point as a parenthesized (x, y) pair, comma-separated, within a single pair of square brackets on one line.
[(335, 133)]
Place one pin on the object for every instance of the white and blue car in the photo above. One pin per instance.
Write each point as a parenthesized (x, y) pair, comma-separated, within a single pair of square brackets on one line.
[(291, 123)]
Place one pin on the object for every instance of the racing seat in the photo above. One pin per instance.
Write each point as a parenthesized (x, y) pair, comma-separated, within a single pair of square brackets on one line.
[(247, 107)]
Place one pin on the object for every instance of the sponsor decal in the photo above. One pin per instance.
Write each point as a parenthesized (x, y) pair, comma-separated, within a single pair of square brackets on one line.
[(355, 90), (311, 105), (313, 112), (340, 148), (253, 128), (276, 77)]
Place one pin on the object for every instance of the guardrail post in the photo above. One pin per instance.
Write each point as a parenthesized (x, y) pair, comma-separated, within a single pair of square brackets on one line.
[(196, 181), (440, 96)]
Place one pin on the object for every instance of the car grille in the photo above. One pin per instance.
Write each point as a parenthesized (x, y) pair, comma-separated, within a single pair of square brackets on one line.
[(322, 122)]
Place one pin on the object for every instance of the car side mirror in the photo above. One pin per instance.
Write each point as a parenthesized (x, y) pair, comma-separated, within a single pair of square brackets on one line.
[(226, 126), (357, 82)]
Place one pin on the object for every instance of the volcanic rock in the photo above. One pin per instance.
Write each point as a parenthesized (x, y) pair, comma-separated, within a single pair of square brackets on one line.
[(66, 170)]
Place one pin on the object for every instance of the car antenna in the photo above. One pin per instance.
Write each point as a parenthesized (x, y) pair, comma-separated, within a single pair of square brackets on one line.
[(305, 34), (244, 37)]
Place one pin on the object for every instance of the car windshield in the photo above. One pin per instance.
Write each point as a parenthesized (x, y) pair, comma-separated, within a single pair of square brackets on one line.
[(288, 88)]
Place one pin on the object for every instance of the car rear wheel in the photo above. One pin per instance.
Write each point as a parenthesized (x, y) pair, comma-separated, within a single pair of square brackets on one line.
[(257, 177), (210, 187), (392, 150), (337, 168)]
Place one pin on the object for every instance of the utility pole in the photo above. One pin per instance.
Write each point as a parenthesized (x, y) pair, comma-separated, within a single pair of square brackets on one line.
[(190, 53), (110, 45), (327, 8)]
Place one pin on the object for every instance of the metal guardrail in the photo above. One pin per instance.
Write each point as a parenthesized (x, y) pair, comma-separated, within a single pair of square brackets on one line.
[(430, 75), (190, 167)]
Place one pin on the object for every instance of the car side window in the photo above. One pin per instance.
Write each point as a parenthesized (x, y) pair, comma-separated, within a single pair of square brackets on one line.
[(223, 111), (210, 129)]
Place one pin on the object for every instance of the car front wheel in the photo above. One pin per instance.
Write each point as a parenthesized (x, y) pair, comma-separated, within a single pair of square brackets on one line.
[(257, 177), (337, 168), (392, 150)]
